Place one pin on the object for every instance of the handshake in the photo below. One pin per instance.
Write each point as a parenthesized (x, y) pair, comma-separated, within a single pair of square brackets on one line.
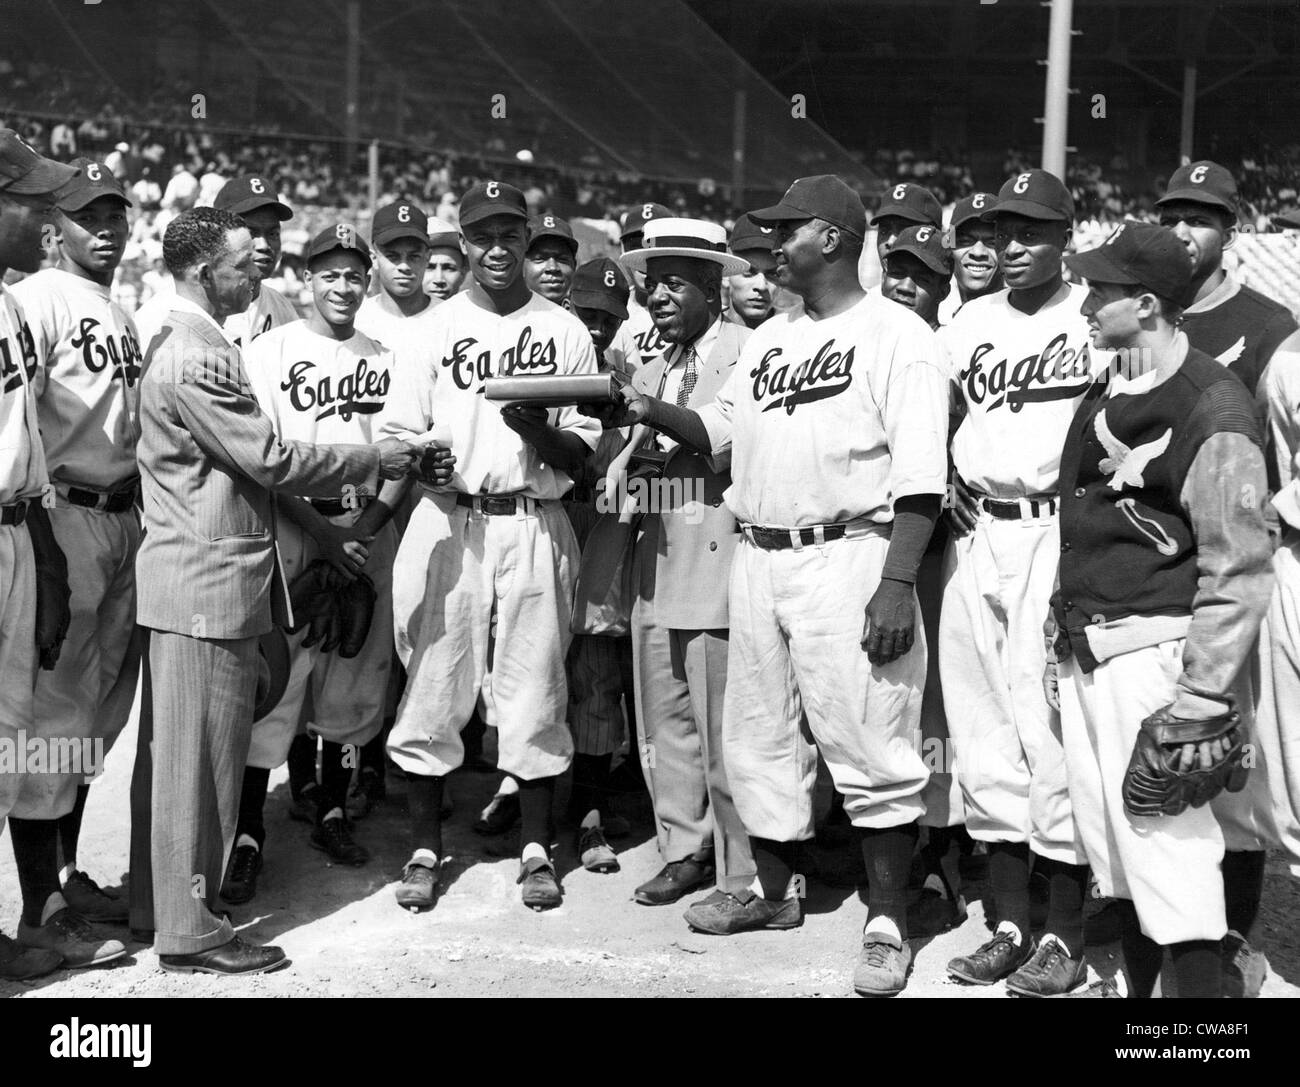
[(432, 463)]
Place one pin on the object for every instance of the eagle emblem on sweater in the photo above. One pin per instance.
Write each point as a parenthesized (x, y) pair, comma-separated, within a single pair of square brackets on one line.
[(1125, 464)]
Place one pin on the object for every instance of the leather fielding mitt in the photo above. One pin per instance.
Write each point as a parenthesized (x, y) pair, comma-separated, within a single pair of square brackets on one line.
[(1177, 763), (355, 607), (311, 595)]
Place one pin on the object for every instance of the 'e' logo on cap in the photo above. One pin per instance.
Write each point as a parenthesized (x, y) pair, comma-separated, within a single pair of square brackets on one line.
[(609, 277), (1198, 175), (1022, 184), (647, 212), (923, 235), (977, 201), (404, 214), (549, 222), (900, 192), (255, 185), (92, 171), (493, 190)]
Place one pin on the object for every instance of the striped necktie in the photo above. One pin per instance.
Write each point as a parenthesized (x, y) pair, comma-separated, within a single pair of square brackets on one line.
[(688, 379)]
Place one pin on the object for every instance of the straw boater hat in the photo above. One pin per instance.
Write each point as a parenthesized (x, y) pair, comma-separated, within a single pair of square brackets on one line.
[(694, 238)]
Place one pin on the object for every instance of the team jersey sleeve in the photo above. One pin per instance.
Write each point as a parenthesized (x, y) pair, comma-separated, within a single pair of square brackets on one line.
[(716, 415), (408, 411), (36, 308), (581, 356), (262, 361), (914, 411), (1282, 393)]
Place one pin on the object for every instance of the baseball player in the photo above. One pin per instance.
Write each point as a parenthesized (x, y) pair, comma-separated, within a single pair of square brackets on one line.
[(1021, 363), (918, 272), (489, 559), (447, 268), (640, 329), (904, 205), (976, 270), (1164, 579), (749, 293), (836, 420), (1242, 329), (320, 381), (551, 258), (254, 200), (86, 386), (33, 575)]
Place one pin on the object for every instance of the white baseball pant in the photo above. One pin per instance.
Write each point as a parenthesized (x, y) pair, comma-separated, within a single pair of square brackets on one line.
[(795, 648), (89, 693), (348, 694), (18, 660), (1006, 737), (1167, 866), (459, 574)]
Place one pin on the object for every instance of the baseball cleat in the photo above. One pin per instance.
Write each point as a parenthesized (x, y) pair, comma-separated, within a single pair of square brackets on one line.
[(595, 852), (88, 899), (992, 961), (366, 794), (1244, 968), (418, 889), (882, 965), (18, 963), (724, 914), (541, 887), (333, 837), (934, 913), (73, 937), (240, 884), (1049, 972)]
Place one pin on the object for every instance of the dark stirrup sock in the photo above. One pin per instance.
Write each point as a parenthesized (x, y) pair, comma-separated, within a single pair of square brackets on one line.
[(1067, 891), (335, 777), (302, 763), (252, 804), (1009, 877), (424, 798), (1198, 965), (775, 863), (536, 799), (70, 827), (1243, 888), (372, 754), (938, 840), (36, 847), (1143, 957), (887, 852)]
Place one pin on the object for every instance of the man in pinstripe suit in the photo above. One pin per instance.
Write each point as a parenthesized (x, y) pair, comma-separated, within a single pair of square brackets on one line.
[(210, 578)]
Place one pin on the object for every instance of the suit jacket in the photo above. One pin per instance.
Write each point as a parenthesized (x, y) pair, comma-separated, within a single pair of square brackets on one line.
[(685, 568), (209, 460)]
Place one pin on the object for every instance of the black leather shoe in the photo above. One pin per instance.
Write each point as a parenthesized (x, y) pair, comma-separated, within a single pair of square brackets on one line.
[(993, 961), (332, 836), (235, 957), (240, 883), (675, 880)]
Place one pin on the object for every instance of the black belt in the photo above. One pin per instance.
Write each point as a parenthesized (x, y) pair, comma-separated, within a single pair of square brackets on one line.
[(1012, 511), (15, 514), (336, 507), (494, 505), (108, 501), (782, 539)]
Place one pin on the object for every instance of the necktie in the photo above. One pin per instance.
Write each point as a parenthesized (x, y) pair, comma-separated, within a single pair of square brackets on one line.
[(688, 379)]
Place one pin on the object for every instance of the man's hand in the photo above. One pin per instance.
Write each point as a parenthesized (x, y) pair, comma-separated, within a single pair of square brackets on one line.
[(344, 549), (53, 614), (396, 458), (526, 420), (1051, 685), (437, 465), (890, 626), (964, 511), (629, 410)]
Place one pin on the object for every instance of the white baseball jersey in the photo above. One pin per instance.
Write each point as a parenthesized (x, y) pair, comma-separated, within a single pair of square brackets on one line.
[(834, 419), (270, 309), (318, 389), (88, 382), (22, 457), (649, 344), (1021, 377), (407, 337), (470, 344)]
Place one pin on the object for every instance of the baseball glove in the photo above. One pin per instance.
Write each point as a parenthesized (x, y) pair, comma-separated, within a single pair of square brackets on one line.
[(311, 595), (1177, 763), (355, 606)]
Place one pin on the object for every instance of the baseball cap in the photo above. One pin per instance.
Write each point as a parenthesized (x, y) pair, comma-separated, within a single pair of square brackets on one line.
[(823, 196), (244, 194), (1289, 219), (399, 220), (339, 236), (1203, 182), (443, 235), (747, 235), (551, 226), (1035, 194), (633, 220), (924, 241), (27, 173), (93, 180), (914, 203), (600, 284), (489, 198), (1138, 254), (972, 206)]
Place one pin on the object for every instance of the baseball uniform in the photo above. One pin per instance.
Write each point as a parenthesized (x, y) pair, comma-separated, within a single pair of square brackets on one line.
[(643, 334), (470, 576), (87, 390), (320, 390), (828, 421), (406, 337), (1164, 579), (22, 480), (1019, 377)]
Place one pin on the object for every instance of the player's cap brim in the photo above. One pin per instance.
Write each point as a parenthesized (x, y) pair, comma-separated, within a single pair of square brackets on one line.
[(925, 256), (900, 211), (598, 300), (572, 243), (972, 213), (78, 200), (1289, 219), (47, 176), (635, 261), (781, 213), (445, 239), (1030, 209), (400, 230), (1198, 196), (489, 209), (1096, 266), (252, 203)]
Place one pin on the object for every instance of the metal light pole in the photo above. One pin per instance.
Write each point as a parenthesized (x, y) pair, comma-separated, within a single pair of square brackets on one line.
[(1056, 107)]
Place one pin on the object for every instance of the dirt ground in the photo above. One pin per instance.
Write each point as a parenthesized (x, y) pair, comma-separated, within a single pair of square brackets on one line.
[(347, 937)]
